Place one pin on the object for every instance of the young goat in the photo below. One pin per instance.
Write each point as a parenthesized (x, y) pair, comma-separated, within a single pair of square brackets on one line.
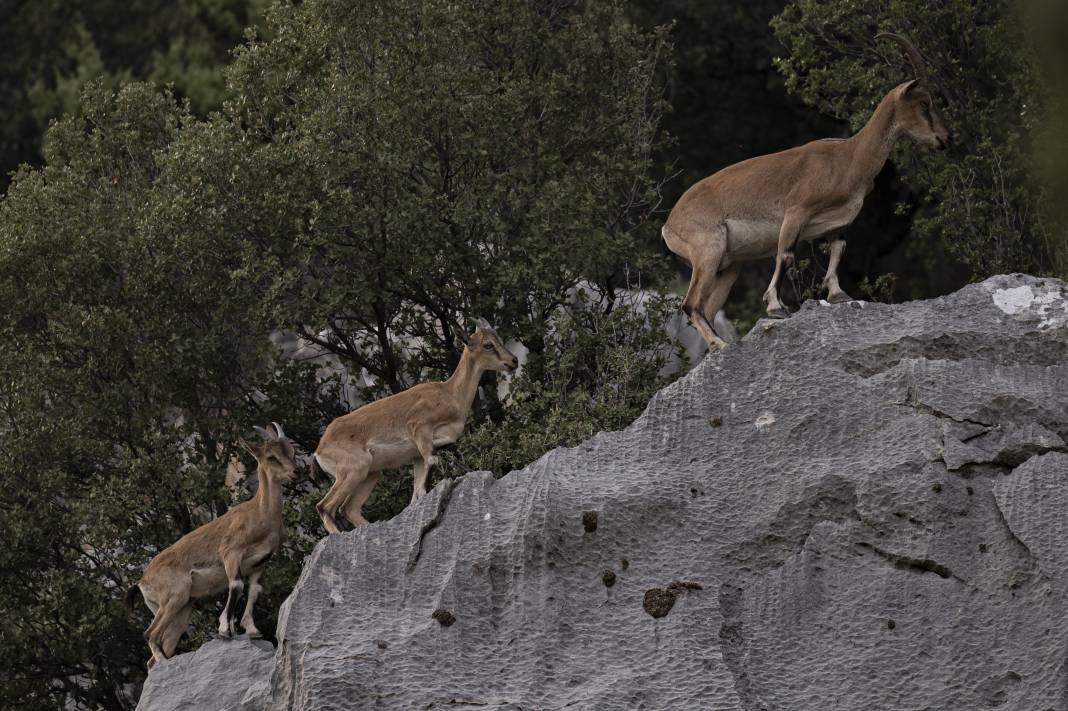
[(215, 556), (401, 429), (764, 205)]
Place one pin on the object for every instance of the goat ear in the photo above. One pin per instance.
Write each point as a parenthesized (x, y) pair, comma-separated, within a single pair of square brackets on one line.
[(457, 331), (248, 448)]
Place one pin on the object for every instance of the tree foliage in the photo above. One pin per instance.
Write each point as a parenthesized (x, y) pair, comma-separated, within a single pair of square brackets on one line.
[(407, 193), (129, 360), (52, 49)]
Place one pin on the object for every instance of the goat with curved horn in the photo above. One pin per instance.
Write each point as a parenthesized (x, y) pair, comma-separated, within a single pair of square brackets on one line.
[(764, 206)]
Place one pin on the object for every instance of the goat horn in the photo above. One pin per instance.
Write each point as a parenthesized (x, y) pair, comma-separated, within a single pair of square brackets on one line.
[(483, 323), (915, 58), (278, 429), (458, 331), (262, 432)]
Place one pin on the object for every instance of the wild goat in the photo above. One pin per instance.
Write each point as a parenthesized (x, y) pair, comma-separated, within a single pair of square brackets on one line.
[(401, 429), (217, 555), (764, 205)]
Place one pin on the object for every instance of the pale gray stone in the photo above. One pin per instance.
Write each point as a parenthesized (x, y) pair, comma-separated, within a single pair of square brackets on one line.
[(794, 486), (223, 675)]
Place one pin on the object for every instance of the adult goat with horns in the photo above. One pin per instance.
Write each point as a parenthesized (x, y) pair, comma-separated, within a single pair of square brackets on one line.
[(765, 205)]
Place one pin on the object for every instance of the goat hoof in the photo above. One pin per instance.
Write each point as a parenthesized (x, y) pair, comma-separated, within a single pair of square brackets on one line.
[(840, 298), (255, 634), (779, 312)]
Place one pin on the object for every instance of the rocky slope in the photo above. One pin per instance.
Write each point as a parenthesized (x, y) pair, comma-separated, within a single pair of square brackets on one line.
[(864, 506)]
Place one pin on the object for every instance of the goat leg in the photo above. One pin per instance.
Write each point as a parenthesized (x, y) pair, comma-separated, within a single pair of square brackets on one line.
[(835, 295), (423, 437), (254, 589), (232, 565), (790, 230)]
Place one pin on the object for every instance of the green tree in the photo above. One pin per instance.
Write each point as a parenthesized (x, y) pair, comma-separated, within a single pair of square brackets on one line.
[(132, 357), (982, 200), (430, 162), (377, 178), (51, 49)]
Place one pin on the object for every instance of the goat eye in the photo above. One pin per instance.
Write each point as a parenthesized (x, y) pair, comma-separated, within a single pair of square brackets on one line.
[(488, 346)]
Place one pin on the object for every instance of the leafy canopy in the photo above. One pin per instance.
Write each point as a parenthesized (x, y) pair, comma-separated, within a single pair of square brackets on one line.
[(379, 176)]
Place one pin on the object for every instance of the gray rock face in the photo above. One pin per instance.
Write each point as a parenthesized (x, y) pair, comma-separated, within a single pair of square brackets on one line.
[(223, 675), (864, 506)]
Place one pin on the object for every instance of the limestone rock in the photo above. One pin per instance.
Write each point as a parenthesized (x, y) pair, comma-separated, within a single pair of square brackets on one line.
[(223, 675), (869, 502)]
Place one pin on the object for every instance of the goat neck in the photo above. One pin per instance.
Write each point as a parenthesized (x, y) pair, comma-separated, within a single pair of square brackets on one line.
[(464, 380), (873, 142), (268, 494)]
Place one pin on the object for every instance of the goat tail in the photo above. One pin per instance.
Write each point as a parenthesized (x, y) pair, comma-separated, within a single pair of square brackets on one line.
[(131, 595), (318, 471)]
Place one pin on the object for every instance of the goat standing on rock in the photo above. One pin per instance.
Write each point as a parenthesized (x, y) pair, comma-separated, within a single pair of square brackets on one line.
[(763, 206), (401, 429), (215, 556)]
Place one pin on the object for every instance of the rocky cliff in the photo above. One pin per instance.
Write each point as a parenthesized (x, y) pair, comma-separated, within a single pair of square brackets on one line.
[(864, 506)]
